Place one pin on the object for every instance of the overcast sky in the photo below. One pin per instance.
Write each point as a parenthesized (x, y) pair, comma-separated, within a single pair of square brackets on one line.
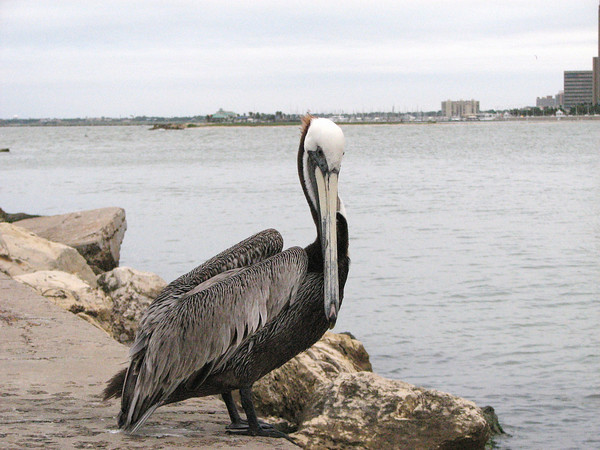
[(175, 58)]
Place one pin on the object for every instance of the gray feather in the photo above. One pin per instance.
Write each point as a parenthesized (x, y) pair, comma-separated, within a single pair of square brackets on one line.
[(254, 249)]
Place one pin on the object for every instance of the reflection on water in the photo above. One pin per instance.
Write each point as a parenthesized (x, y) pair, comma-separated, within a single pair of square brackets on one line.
[(475, 247)]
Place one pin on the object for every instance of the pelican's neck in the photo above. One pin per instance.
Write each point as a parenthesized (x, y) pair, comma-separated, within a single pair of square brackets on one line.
[(310, 195), (315, 253), (307, 187)]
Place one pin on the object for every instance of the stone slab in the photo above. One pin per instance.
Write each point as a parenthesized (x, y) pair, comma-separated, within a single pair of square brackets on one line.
[(96, 234), (22, 251), (53, 366)]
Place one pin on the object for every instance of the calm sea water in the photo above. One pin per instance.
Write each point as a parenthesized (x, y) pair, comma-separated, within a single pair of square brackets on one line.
[(475, 247)]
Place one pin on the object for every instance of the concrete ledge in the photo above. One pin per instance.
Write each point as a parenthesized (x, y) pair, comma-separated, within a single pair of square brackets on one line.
[(53, 366)]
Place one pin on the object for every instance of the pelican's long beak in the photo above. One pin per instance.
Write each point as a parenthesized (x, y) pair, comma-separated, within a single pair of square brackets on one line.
[(327, 187)]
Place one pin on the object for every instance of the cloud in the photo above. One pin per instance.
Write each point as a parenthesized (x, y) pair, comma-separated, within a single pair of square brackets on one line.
[(268, 55)]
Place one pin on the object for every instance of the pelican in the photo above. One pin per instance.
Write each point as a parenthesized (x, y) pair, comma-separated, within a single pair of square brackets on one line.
[(247, 310)]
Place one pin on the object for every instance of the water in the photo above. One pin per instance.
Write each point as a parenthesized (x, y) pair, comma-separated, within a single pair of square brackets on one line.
[(475, 247)]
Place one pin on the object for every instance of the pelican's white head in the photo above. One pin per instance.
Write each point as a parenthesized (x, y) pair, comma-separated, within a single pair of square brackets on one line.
[(325, 136), (323, 148)]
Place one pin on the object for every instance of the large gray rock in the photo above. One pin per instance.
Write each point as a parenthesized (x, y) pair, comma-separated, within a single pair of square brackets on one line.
[(131, 292), (73, 294), (96, 234), (23, 252), (364, 410), (286, 391)]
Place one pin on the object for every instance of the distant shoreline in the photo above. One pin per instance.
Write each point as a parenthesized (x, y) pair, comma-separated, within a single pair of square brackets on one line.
[(185, 125)]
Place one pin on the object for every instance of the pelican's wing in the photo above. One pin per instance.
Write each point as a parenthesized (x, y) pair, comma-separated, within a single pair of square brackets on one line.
[(194, 331), (250, 251)]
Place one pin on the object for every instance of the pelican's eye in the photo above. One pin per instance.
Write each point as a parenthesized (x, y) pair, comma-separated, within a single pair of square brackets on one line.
[(319, 151)]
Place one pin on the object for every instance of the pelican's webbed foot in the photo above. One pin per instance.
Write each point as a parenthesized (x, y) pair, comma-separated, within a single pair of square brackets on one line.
[(242, 424), (253, 426), (237, 423), (265, 430)]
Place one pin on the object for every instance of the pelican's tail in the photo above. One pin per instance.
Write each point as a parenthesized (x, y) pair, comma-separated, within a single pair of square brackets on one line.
[(137, 404), (114, 387)]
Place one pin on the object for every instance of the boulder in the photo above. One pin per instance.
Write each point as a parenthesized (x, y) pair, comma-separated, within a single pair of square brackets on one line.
[(285, 392), (365, 410), (73, 294), (131, 292), (96, 234), (23, 252), (8, 217)]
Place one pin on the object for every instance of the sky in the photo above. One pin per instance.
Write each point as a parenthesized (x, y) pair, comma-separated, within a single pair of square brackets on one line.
[(61, 58)]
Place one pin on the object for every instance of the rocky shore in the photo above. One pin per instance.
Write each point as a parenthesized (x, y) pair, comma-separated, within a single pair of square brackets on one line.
[(326, 397)]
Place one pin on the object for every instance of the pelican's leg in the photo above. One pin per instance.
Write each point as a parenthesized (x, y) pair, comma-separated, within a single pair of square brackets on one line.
[(237, 423), (255, 428)]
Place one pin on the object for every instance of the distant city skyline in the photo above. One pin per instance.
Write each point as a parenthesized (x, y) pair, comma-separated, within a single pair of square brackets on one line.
[(117, 59)]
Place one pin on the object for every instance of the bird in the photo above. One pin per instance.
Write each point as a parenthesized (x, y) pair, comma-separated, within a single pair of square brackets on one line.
[(247, 310)]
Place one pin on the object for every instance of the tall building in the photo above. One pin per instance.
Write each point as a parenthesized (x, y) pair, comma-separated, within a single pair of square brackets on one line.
[(579, 87), (583, 86), (596, 67), (460, 108), (596, 89)]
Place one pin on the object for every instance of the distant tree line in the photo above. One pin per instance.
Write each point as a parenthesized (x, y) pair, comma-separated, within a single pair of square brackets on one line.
[(280, 117), (578, 110)]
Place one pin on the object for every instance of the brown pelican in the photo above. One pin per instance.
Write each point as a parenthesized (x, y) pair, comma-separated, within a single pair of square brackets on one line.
[(247, 310)]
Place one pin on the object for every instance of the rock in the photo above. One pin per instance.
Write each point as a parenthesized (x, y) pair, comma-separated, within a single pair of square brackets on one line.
[(8, 217), (367, 411), (96, 234), (131, 292), (116, 306), (23, 252), (169, 126), (73, 294), (492, 420), (285, 392)]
